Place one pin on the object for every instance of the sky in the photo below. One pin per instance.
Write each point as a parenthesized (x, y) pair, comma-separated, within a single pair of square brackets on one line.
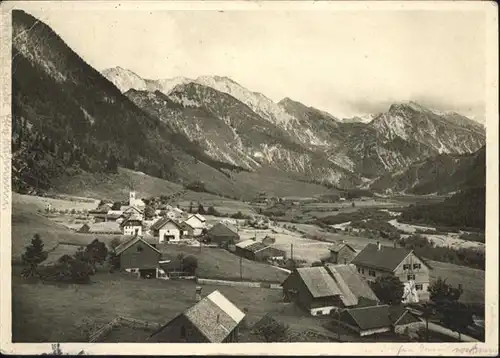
[(345, 62)]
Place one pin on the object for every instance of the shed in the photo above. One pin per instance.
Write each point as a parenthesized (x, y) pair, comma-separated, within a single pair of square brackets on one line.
[(214, 319), (377, 319), (341, 253), (256, 250)]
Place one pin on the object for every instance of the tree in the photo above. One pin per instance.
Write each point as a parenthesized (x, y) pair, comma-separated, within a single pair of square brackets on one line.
[(443, 293), (190, 264), (190, 208), (389, 289), (149, 212), (201, 209), (34, 255), (97, 252), (116, 205), (211, 211), (271, 330), (291, 264), (456, 316)]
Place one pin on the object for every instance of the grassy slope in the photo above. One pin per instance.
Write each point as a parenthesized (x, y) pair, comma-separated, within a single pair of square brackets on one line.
[(472, 280), (221, 264), (244, 185), (37, 306)]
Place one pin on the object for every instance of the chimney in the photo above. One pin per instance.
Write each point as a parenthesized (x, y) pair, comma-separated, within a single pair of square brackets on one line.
[(218, 318), (343, 241), (198, 293), (378, 246)]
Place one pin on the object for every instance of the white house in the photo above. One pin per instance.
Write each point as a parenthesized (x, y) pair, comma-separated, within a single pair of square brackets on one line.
[(132, 210), (167, 230), (132, 226), (197, 223)]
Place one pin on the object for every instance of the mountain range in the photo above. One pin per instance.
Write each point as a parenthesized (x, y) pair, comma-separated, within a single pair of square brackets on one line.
[(68, 117)]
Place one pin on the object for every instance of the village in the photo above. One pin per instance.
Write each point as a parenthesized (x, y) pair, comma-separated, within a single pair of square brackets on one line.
[(332, 291)]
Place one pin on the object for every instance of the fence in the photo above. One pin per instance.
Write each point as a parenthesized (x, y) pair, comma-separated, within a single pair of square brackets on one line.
[(121, 321), (207, 281)]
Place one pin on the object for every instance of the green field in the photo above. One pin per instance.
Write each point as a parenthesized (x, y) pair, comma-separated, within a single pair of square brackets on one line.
[(26, 223), (217, 263), (472, 280), (77, 308)]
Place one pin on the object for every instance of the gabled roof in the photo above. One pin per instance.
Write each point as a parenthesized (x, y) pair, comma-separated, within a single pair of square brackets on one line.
[(221, 230), (245, 243), (369, 317), (378, 316), (318, 281), (162, 222), (131, 218), (385, 259), (214, 316), (200, 217), (339, 245), (127, 208), (351, 284), (128, 243), (256, 247)]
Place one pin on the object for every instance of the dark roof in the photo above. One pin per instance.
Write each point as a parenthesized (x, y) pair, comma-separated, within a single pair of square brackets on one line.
[(386, 259), (221, 230), (339, 245), (370, 317), (128, 243), (257, 246), (131, 219), (380, 316), (162, 222)]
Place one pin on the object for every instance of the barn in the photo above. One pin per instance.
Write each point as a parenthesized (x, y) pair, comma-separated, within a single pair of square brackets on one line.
[(341, 253), (221, 235), (257, 251), (320, 290), (138, 256)]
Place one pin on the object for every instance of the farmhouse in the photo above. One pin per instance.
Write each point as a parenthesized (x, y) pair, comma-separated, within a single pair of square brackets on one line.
[(132, 226), (376, 260), (214, 319), (221, 235), (101, 228), (255, 250), (320, 290), (138, 256), (377, 319), (167, 230), (341, 253), (197, 223)]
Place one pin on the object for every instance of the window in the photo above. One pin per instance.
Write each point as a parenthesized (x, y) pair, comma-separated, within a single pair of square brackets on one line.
[(362, 270), (406, 266), (139, 249), (411, 277), (419, 287), (372, 273), (359, 270), (183, 332), (417, 266)]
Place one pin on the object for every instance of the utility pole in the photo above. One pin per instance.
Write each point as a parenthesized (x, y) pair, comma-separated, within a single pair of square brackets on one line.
[(291, 251), (241, 267)]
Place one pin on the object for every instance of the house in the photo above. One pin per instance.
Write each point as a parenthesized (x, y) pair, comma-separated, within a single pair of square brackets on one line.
[(320, 289), (376, 260), (167, 230), (131, 226), (256, 250), (221, 235), (113, 215), (138, 256), (377, 319), (108, 228), (197, 223), (213, 319), (104, 207), (341, 253), (131, 210)]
